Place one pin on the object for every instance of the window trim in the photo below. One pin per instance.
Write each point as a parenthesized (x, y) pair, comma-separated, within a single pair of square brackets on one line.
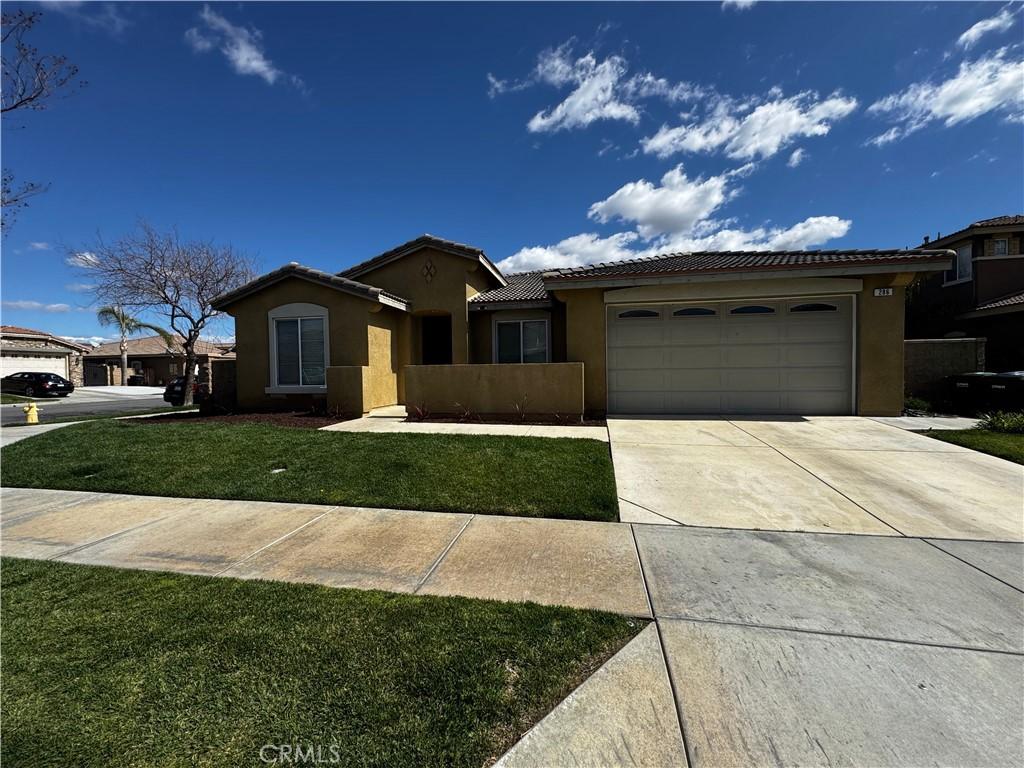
[(519, 321), (1006, 240), (298, 311), (958, 279), (737, 310), (638, 313)]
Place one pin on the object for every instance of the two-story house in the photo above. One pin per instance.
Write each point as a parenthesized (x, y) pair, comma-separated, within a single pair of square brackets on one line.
[(982, 294)]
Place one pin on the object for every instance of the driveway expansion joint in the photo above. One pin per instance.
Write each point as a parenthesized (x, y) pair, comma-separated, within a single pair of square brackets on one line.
[(443, 554), (851, 635)]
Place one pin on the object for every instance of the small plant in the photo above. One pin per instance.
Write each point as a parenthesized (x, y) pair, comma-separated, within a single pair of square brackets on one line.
[(520, 407), (419, 413), (917, 404), (465, 414), (1011, 422)]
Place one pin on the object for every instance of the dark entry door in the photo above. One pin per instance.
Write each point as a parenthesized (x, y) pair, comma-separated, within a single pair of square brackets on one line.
[(436, 335)]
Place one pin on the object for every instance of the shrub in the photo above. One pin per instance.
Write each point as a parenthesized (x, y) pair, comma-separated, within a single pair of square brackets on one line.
[(917, 404), (1012, 422)]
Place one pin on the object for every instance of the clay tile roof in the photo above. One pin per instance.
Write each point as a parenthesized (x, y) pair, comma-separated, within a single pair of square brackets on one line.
[(744, 261), (154, 345), (522, 287), (17, 330), (1000, 221), (315, 276), (1013, 300)]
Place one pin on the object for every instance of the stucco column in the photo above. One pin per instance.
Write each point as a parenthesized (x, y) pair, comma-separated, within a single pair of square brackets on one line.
[(585, 342), (880, 346)]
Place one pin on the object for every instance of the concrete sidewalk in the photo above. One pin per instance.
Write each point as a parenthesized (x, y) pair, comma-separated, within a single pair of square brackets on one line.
[(393, 419), (768, 647)]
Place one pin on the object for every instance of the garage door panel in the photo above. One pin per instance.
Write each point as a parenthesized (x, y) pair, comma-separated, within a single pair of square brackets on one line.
[(768, 362), (33, 364)]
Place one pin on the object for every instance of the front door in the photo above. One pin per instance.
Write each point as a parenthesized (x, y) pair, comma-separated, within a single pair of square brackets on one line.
[(436, 337)]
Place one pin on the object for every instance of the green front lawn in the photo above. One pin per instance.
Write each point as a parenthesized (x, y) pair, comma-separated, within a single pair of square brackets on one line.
[(105, 667), (6, 399), (1005, 445), (529, 476)]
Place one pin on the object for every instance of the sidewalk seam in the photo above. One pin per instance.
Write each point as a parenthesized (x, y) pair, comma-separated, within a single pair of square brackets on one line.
[(443, 555), (975, 567), (278, 540)]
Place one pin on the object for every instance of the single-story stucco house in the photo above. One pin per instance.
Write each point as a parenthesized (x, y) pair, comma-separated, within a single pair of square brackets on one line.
[(150, 360), (32, 351), (434, 325)]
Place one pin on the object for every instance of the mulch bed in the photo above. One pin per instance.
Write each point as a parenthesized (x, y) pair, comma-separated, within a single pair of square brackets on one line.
[(297, 419)]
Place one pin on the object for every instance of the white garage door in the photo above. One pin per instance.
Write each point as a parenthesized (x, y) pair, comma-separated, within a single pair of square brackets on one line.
[(34, 364), (755, 356)]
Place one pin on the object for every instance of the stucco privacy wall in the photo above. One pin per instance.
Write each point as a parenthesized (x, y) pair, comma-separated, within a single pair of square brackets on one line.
[(536, 388), (451, 282), (926, 362), (349, 319)]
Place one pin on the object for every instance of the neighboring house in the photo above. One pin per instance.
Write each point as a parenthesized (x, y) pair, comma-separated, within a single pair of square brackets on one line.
[(981, 295), (434, 323), (148, 357), (25, 349)]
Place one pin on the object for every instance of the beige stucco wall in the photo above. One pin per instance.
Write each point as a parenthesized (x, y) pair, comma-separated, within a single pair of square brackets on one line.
[(880, 346), (349, 320), (536, 388), (585, 342), (455, 279)]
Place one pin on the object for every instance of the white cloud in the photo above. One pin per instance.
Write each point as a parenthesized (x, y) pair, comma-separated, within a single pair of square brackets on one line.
[(103, 16), (241, 46), (992, 83), (39, 246), (587, 248), (798, 156), (754, 128), (600, 89), (82, 260), (79, 287), (92, 341), (37, 306), (738, 5), (1001, 22), (677, 205)]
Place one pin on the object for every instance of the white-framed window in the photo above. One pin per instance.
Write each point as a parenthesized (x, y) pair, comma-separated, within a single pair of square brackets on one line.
[(299, 347), (521, 341), (962, 266), (1000, 247)]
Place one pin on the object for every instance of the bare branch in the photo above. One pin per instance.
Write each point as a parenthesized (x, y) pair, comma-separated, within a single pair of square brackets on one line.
[(156, 271), (30, 79)]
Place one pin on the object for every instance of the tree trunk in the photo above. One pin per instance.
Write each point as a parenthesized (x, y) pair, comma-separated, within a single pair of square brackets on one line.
[(124, 362), (190, 370)]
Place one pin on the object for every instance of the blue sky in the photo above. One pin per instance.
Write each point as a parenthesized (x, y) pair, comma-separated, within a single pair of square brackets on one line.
[(545, 134)]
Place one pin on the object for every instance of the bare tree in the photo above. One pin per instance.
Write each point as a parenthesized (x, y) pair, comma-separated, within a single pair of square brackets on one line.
[(153, 271), (30, 79)]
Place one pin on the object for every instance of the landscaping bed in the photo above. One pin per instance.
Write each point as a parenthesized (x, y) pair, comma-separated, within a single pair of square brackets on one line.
[(530, 476), (504, 418), (106, 667)]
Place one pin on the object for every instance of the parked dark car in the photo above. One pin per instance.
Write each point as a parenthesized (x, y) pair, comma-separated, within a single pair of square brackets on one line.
[(32, 384), (175, 391)]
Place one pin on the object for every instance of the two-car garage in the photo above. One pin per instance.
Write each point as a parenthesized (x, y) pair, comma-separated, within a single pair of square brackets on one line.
[(780, 355)]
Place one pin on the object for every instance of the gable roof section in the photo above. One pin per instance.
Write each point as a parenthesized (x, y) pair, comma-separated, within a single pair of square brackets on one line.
[(756, 263), (425, 241), (149, 346), (16, 331), (1005, 305), (522, 288), (978, 227), (294, 269)]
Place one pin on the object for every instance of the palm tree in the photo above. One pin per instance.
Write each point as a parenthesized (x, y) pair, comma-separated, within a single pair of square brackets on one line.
[(127, 326)]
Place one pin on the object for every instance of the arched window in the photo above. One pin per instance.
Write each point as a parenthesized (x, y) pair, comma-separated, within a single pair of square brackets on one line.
[(635, 313), (694, 312), (752, 309), (814, 308)]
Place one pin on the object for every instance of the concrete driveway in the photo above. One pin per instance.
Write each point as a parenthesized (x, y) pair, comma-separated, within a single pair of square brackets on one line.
[(820, 474)]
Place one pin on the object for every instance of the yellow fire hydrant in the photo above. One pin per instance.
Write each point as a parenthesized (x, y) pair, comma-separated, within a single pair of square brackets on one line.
[(31, 413)]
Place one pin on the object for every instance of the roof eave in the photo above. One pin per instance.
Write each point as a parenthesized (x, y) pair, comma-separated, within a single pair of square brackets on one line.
[(764, 273), (490, 306), (224, 301), (419, 244)]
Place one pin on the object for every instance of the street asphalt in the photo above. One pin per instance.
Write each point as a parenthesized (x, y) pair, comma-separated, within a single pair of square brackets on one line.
[(88, 402)]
